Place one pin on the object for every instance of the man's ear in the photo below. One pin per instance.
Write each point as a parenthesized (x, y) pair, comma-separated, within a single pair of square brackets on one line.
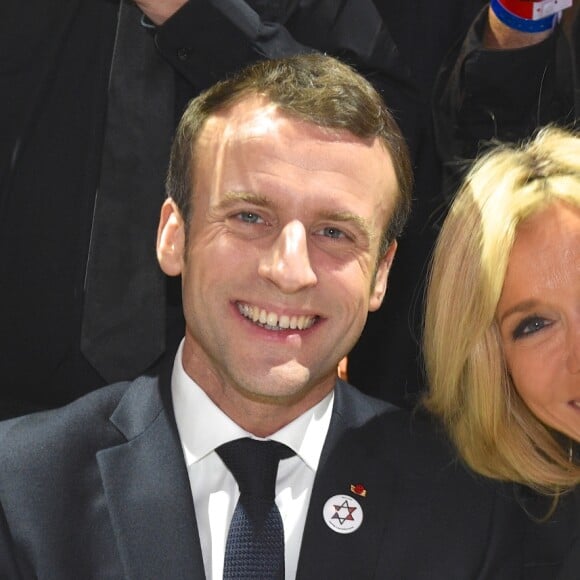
[(170, 239), (382, 275)]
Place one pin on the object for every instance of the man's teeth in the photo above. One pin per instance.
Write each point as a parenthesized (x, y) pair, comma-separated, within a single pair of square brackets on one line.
[(272, 321)]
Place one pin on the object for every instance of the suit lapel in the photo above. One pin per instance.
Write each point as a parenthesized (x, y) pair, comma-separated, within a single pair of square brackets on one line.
[(347, 459), (147, 488)]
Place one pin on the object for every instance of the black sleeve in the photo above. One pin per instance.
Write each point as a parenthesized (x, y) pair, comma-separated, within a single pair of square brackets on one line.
[(208, 39), (496, 94)]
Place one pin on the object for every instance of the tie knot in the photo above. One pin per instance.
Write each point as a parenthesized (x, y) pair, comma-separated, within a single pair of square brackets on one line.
[(254, 464)]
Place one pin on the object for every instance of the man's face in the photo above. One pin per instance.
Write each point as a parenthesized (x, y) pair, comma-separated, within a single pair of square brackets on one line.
[(280, 265)]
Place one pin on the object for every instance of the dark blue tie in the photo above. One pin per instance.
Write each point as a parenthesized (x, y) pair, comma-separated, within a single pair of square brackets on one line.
[(255, 544)]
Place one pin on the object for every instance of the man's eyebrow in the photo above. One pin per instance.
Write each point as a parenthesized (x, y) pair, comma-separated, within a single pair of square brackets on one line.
[(233, 197)]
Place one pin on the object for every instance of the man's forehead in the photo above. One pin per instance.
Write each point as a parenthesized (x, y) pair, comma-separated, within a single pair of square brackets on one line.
[(256, 116), (253, 116)]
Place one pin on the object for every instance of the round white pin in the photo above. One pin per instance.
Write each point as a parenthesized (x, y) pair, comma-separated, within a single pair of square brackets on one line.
[(343, 514)]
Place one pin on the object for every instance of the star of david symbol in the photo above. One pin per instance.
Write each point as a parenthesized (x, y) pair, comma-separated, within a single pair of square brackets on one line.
[(343, 512)]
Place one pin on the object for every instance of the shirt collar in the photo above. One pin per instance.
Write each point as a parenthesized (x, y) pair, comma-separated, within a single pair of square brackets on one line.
[(203, 426)]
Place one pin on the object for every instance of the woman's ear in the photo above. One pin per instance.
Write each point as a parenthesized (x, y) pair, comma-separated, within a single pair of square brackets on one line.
[(170, 239), (379, 288)]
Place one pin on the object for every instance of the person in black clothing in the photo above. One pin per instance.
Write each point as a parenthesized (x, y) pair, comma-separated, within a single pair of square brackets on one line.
[(288, 186), (82, 150), (500, 83), (503, 356)]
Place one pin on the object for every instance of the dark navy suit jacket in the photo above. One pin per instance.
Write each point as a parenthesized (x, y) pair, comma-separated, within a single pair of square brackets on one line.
[(99, 489)]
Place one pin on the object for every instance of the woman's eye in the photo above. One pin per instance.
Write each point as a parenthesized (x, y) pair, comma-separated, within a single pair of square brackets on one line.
[(249, 217), (529, 326)]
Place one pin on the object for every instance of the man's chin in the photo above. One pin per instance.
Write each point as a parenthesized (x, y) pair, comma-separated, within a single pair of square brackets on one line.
[(288, 383)]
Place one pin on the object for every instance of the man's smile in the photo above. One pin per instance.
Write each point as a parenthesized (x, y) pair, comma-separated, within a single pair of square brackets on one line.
[(274, 321)]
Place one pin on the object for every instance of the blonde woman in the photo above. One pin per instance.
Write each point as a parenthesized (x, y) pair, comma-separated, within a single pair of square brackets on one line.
[(502, 321)]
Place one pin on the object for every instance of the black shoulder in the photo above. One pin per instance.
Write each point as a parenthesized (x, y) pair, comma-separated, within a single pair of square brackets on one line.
[(350, 400), (49, 437), (416, 441)]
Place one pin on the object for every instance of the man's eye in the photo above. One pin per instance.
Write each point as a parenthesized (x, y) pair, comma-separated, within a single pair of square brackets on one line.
[(249, 217), (529, 326), (331, 232)]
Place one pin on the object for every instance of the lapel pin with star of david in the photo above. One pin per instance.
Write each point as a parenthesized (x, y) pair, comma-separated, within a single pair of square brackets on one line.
[(343, 514)]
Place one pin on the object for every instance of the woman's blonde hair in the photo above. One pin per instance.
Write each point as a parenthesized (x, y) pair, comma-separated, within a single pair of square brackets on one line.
[(470, 387)]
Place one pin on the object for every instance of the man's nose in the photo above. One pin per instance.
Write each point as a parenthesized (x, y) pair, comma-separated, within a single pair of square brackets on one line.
[(287, 263)]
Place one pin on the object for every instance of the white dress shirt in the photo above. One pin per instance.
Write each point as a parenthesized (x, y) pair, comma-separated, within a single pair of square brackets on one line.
[(202, 428)]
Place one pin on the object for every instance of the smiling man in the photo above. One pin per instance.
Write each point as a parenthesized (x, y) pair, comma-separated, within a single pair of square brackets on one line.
[(288, 186), (281, 257)]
